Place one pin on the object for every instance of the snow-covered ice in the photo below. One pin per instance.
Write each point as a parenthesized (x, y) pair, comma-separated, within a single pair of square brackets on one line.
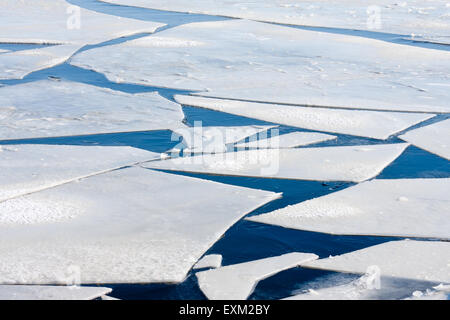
[(405, 207), (209, 261), (237, 282), (62, 108), (288, 140), (408, 259), (21, 292), (349, 163), (372, 124), (434, 138), (439, 292), (134, 226), (30, 168), (57, 21), (255, 61)]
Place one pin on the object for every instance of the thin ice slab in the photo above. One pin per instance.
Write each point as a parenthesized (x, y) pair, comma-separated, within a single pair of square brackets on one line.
[(62, 108), (371, 124), (237, 282), (133, 225), (210, 261), (30, 168), (349, 163), (408, 259), (293, 66), (23, 292), (405, 207), (434, 138), (288, 140)]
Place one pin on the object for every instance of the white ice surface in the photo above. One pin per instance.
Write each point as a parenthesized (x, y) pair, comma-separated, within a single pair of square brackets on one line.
[(405, 207), (29, 168), (18, 64), (24, 292), (434, 138), (440, 292), (209, 261), (61, 108), (250, 60), (215, 139), (135, 226), (372, 124), (408, 259), (349, 163), (237, 282), (426, 18), (56, 21), (288, 140)]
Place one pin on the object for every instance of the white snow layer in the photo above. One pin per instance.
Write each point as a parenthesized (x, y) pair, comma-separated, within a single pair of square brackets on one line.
[(372, 124), (18, 64), (288, 140), (349, 163), (408, 259), (420, 18), (278, 64), (57, 21), (61, 108), (209, 261), (434, 138), (405, 207), (30, 168), (134, 226), (237, 282), (21, 292), (440, 292)]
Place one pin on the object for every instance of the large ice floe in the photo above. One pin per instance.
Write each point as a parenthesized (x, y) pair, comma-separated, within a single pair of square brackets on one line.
[(349, 163), (407, 259), (255, 61), (49, 108), (21, 292), (434, 138), (59, 22), (132, 225), (405, 207), (372, 124), (209, 261), (288, 140), (30, 168), (417, 18), (237, 282)]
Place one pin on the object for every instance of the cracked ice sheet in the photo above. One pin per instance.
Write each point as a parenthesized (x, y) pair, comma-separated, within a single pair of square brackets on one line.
[(417, 17), (349, 163), (135, 226), (30, 168), (404, 208), (215, 139), (18, 64), (434, 138), (209, 261), (57, 21), (21, 292), (270, 63), (288, 140), (371, 124), (237, 282), (408, 259), (49, 108)]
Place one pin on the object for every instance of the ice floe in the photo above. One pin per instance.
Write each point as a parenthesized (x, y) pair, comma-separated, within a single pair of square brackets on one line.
[(135, 226), (30, 168), (271, 63), (49, 108), (408, 259), (349, 163), (372, 124), (415, 17), (57, 21), (209, 261), (21, 292), (405, 207), (439, 292), (434, 138), (237, 282), (288, 140)]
